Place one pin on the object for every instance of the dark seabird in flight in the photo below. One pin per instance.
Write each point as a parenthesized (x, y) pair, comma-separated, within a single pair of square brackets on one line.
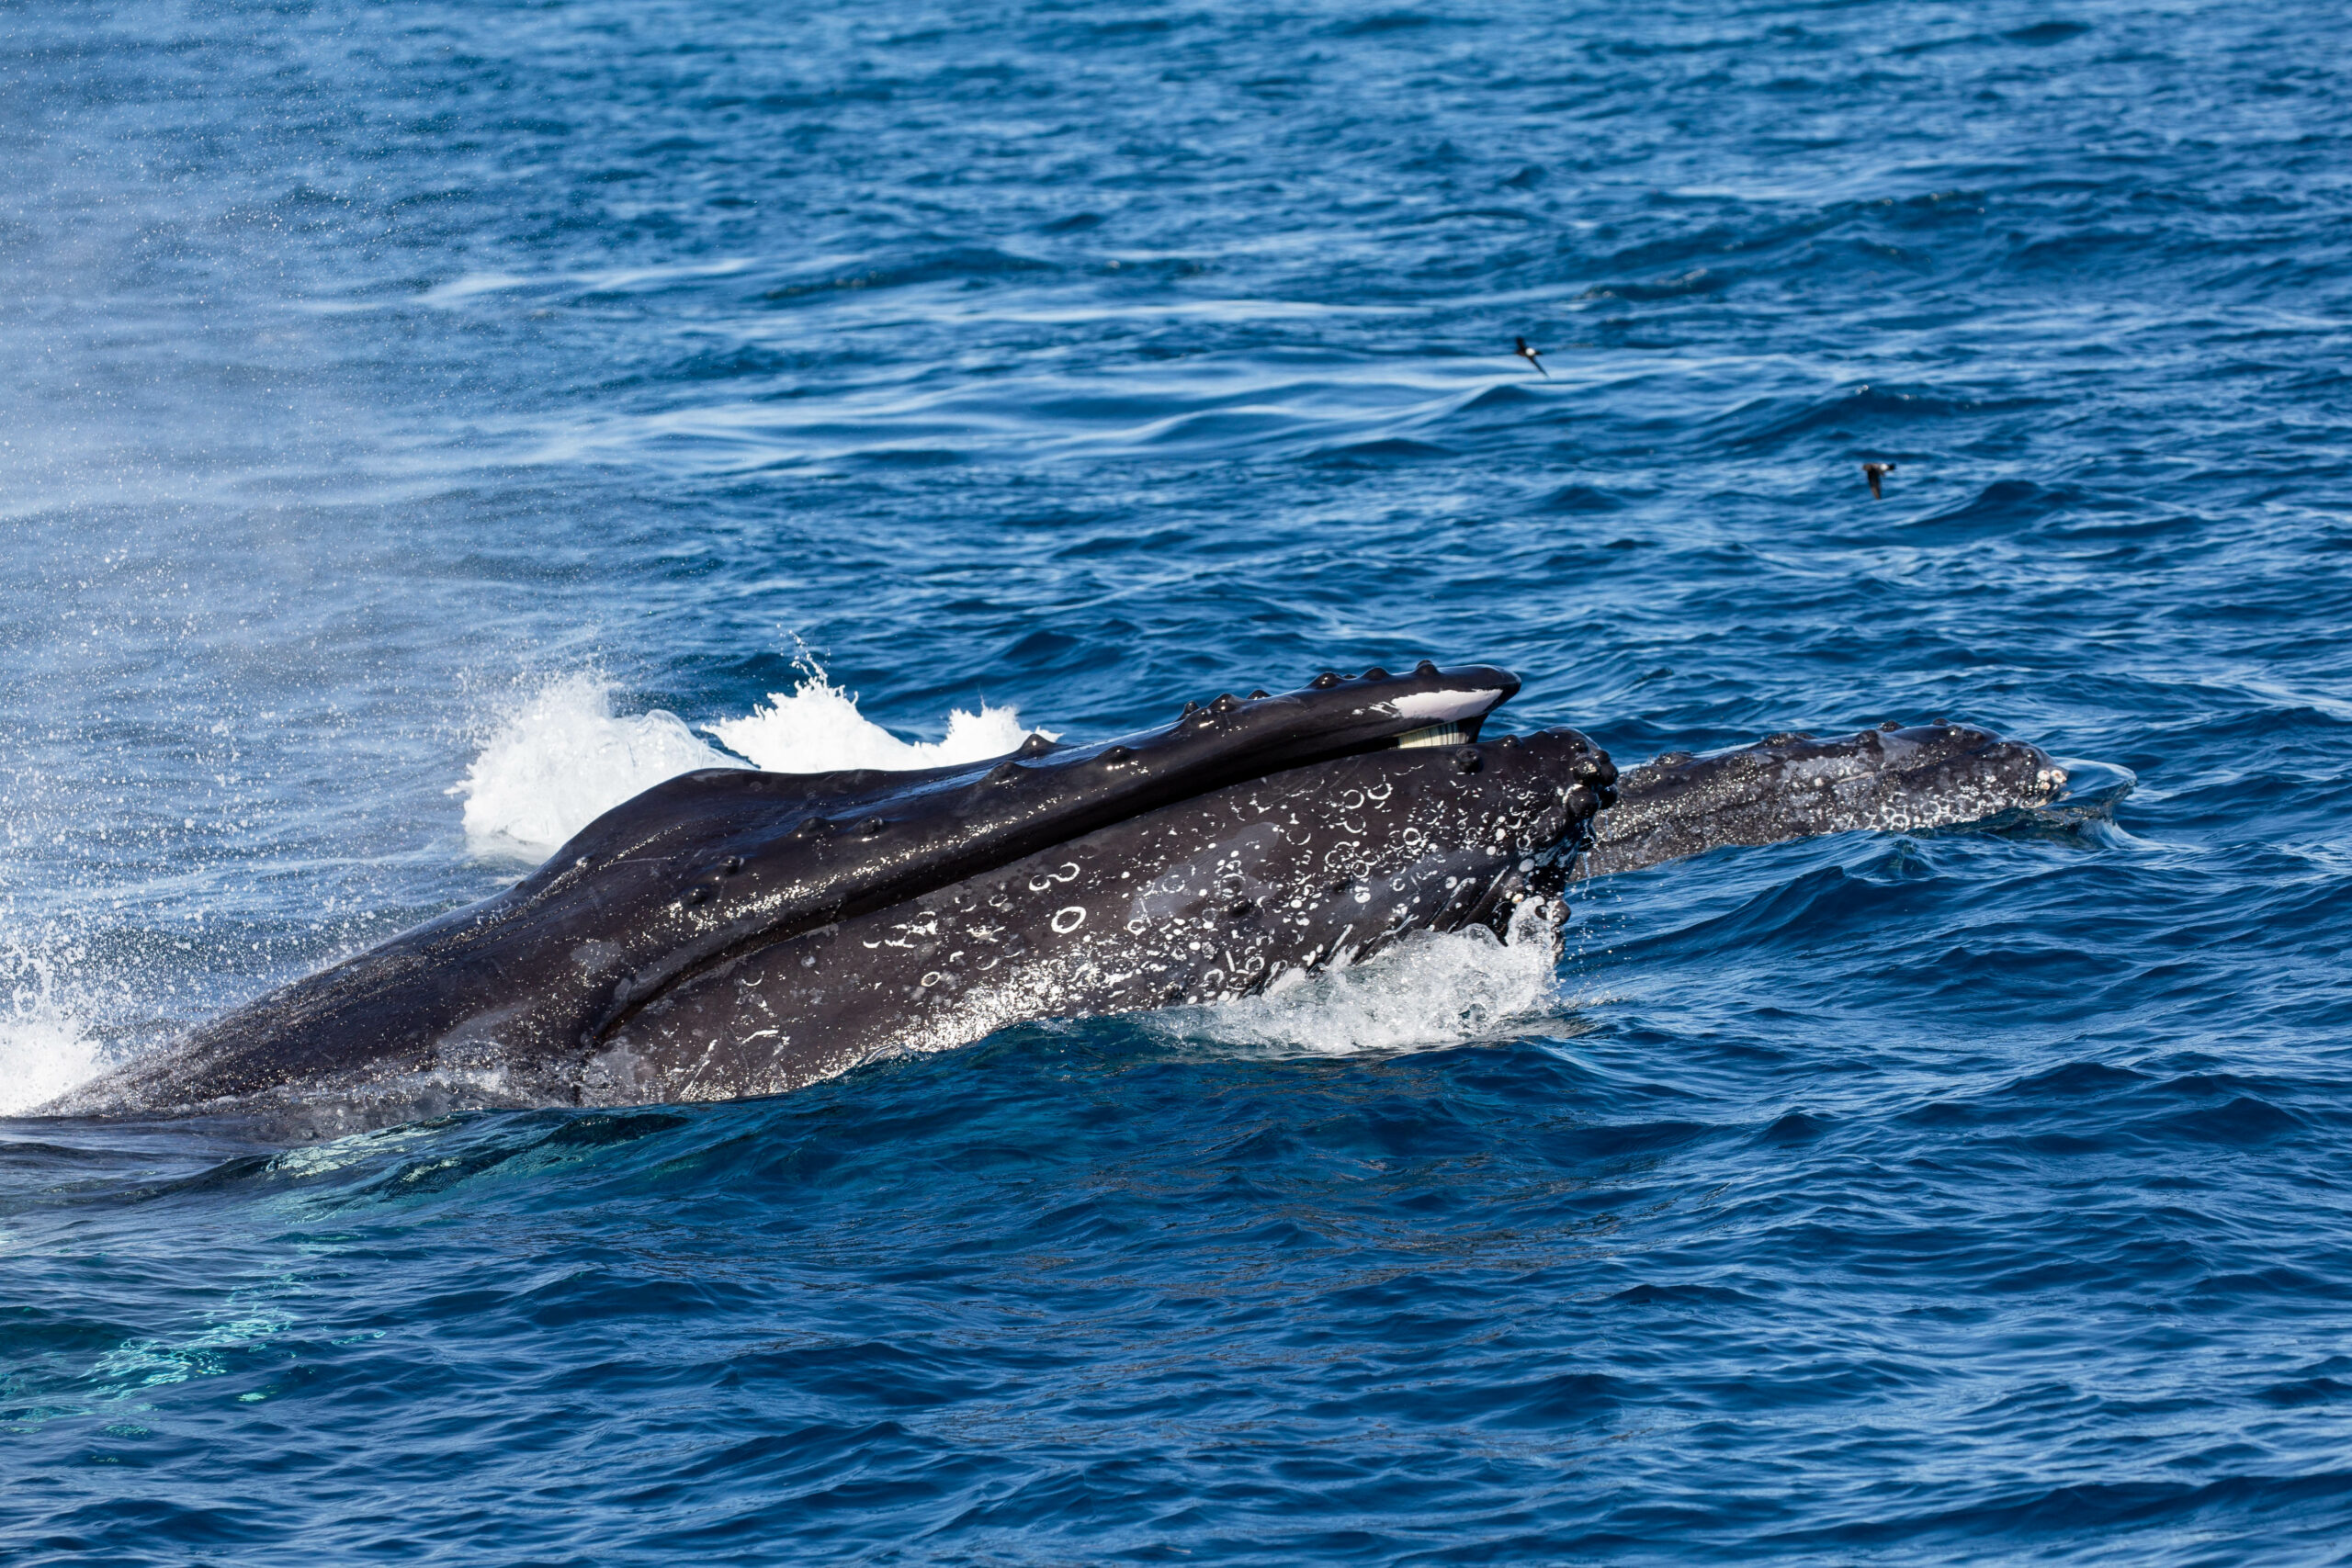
[(1530, 356), (1875, 472)]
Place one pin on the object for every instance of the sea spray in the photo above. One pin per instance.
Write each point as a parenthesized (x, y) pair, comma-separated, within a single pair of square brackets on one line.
[(561, 757), (815, 728), (46, 1048)]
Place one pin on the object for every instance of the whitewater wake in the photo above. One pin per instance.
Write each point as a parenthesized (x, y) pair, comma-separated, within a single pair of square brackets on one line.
[(1432, 990)]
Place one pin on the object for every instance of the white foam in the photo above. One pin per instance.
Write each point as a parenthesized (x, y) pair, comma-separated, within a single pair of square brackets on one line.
[(561, 758), (815, 728), (1430, 991), (45, 1049)]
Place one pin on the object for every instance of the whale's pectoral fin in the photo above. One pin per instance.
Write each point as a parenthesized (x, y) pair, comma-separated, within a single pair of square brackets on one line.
[(1795, 787)]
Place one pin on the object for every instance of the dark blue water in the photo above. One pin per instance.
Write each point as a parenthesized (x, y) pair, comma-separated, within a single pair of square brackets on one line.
[(383, 384)]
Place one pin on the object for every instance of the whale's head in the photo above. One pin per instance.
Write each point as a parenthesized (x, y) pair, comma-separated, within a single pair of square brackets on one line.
[(712, 864), (1252, 843), (779, 832)]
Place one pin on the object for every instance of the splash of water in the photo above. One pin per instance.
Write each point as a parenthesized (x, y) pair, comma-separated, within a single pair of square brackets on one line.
[(815, 728), (562, 757), (1431, 990), (45, 1046)]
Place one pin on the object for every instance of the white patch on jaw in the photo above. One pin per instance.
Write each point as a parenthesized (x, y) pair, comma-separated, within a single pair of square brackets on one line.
[(1435, 707)]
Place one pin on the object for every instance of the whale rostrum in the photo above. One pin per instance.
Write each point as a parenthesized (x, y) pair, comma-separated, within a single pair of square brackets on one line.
[(730, 933)]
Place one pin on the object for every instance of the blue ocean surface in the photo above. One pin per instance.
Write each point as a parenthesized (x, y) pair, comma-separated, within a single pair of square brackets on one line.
[(423, 424)]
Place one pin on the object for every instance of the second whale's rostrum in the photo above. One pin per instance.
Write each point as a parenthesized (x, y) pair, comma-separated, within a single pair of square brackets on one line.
[(731, 933)]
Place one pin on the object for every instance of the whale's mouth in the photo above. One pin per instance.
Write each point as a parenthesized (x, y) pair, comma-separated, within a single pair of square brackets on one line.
[(1448, 706), (1454, 715), (1461, 734)]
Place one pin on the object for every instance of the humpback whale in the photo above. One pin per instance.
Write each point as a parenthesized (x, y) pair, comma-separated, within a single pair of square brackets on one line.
[(731, 933)]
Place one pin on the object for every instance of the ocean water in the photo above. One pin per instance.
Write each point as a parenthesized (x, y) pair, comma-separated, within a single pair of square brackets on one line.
[(422, 425)]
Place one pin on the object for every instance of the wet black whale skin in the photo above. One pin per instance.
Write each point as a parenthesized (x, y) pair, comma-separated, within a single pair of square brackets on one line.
[(1220, 897)]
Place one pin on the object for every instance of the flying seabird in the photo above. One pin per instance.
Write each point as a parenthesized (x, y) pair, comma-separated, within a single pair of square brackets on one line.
[(1530, 356), (1875, 472)]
